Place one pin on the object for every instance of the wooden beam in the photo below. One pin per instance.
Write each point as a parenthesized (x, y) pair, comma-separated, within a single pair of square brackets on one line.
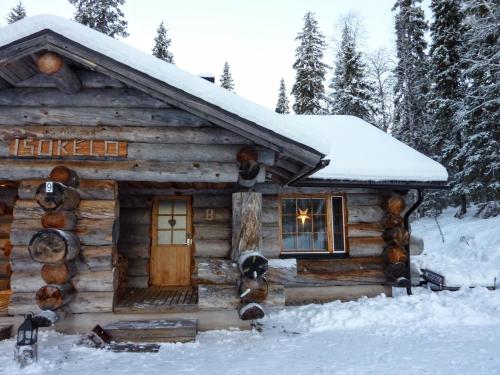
[(111, 98), (14, 169), (53, 65), (89, 80)]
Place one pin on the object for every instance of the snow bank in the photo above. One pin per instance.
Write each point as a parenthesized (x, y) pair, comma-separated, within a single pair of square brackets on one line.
[(400, 315), (165, 72), (470, 254), (361, 152)]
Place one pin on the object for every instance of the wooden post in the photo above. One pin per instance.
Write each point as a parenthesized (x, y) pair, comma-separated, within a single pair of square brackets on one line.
[(247, 223)]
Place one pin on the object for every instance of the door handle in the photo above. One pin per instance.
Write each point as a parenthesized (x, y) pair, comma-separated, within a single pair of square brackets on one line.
[(189, 240)]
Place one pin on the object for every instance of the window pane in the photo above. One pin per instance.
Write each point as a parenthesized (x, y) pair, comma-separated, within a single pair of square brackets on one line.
[(304, 204), (180, 222), (288, 206), (289, 241), (288, 223), (305, 226), (179, 237), (304, 241), (319, 223), (320, 241), (164, 237), (165, 207), (338, 224), (318, 206), (180, 207)]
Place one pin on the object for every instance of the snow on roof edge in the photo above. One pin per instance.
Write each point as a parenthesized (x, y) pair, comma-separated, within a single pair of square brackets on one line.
[(282, 126)]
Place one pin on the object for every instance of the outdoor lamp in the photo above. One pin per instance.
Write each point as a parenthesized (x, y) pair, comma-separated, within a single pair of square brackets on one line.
[(27, 334)]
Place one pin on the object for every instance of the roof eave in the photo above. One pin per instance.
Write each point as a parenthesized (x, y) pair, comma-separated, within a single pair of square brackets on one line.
[(387, 184)]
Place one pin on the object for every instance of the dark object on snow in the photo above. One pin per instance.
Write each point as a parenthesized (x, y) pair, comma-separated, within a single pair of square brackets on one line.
[(436, 282), (98, 337), (26, 351)]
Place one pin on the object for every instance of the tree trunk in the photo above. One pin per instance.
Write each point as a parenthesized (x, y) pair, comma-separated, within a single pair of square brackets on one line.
[(61, 198), (247, 223), (65, 220), (54, 246), (52, 297)]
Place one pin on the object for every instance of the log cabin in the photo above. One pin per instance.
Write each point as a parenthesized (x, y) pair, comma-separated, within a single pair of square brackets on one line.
[(133, 189)]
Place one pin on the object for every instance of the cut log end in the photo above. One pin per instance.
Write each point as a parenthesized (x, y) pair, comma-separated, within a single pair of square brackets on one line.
[(253, 265), (53, 246), (390, 220), (396, 236), (53, 297), (60, 198), (49, 63), (57, 273), (395, 254), (251, 311), (253, 290), (395, 204), (65, 176), (59, 220)]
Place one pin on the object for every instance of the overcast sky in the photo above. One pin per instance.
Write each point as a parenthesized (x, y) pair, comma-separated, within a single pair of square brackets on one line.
[(256, 37)]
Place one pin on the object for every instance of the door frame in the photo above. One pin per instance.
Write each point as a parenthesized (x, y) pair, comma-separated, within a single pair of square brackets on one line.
[(154, 228)]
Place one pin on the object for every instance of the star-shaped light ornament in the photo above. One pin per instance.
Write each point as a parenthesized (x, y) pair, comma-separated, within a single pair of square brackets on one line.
[(303, 215)]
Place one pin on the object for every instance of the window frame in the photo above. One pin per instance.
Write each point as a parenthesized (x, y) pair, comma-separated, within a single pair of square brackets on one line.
[(330, 252)]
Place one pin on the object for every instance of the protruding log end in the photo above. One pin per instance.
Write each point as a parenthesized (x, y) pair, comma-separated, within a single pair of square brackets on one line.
[(395, 204), (57, 273), (65, 176), (253, 290), (53, 297), (49, 63), (396, 236), (60, 198), (253, 264), (390, 220), (252, 311), (53, 246), (395, 254), (65, 220), (396, 271)]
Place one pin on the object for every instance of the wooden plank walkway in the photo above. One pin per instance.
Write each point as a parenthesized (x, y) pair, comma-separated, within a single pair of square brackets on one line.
[(158, 299), (4, 302)]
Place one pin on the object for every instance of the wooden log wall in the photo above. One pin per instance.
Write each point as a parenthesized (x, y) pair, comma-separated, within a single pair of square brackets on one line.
[(8, 195), (92, 273)]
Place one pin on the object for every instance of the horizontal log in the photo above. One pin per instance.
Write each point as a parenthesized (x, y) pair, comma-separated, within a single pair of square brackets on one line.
[(92, 302), (150, 134), (88, 79), (23, 303), (212, 248), (25, 265), (15, 169), (370, 276), (22, 282), (354, 200), (212, 216), (101, 281), (99, 258), (87, 209), (416, 245), (364, 214), (5, 284), (212, 201), (323, 294), (138, 267), (88, 189), (101, 98), (339, 265), (5, 268), (211, 232), (225, 271), (365, 230), (366, 246), (89, 231), (95, 116), (220, 297)]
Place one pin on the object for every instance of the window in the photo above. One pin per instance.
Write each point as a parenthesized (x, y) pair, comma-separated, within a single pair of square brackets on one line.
[(312, 225)]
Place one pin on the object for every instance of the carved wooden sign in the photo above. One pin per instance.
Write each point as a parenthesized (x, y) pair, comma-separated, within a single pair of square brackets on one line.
[(74, 148)]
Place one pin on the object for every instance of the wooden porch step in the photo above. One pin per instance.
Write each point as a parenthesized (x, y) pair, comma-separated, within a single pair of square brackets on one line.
[(179, 330)]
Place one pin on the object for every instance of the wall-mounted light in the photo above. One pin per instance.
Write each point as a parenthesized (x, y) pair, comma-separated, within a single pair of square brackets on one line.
[(303, 215)]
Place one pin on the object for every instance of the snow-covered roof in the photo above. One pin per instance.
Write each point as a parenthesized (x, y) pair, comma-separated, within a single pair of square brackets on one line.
[(163, 71), (361, 152)]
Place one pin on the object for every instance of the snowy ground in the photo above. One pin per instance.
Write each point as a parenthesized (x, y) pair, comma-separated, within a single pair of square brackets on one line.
[(470, 253), (449, 333)]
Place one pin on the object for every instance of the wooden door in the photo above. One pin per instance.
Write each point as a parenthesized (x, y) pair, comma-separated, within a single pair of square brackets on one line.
[(171, 247)]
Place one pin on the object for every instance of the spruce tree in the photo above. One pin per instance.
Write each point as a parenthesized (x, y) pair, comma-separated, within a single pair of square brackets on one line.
[(282, 106), (478, 162), (310, 71), (102, 15), (162, 45), (352, 93), (17, 13), (446, 92), (226, 79), (411, 87)]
